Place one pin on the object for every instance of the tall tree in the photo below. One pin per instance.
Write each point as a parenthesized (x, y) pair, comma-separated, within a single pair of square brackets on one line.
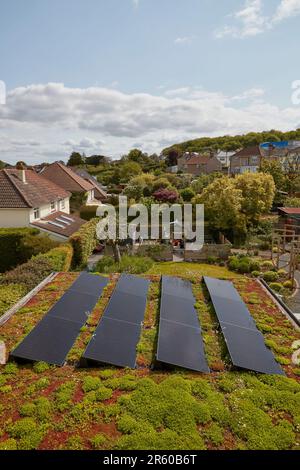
[(75, 159)]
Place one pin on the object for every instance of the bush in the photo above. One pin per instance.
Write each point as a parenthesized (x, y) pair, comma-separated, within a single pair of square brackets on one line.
[(276, 286), (29, 274), (103, 393), (60, 257), (270, 276), (13, 251), (88, 212), (255, 273), (288, 284), (84, 242), (243, 264), (128, 264), (40, 367), (90, 383), (187, 194)]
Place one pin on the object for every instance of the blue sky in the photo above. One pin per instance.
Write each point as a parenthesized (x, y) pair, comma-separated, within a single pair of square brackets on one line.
[(107, 75)]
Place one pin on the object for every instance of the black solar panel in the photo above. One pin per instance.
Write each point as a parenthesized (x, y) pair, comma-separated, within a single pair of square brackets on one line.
[(52, 338), (74, 306), (247, 350), (117, 335), (181, 346), (126, 307), (50, 341), (244, 341), (114, 343), (178, 310), (180, 342)]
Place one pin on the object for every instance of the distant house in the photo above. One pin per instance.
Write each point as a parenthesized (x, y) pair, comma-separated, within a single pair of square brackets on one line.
[(224, 158), (99, 191), (247, 160), (196, 164), (30, 200), (289, 216), (68, 179)]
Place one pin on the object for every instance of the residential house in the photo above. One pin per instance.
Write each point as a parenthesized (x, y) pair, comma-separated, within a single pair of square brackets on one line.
[(68, 179), (196, 164), (30, 200), (247, 160), (99, 190), (224, 158)]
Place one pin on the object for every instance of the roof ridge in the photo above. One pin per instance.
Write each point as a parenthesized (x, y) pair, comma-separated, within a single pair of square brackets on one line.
[(69, 171), (16, 187)]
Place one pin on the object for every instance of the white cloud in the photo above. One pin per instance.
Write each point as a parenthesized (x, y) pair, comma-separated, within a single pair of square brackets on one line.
[(183, 40), (250, 20), (46, 122)]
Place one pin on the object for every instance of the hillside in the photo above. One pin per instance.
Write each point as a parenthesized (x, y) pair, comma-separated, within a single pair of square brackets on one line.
[(231, 143)]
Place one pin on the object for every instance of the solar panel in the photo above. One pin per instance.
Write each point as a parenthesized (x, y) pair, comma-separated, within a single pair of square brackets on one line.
[(74, 306), (52, 338), (181, 346), (126, 307), (247, 350), (180, 342), (244, 341), (178, 310), (50, 341), (114, 343), (117, 335)]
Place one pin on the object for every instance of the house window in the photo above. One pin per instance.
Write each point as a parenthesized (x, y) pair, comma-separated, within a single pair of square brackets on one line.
[(53, 206), (62, 204), (36, 213)]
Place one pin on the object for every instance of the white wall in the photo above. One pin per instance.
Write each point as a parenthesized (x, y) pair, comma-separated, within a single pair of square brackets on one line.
[(46, 210), (14, 218)]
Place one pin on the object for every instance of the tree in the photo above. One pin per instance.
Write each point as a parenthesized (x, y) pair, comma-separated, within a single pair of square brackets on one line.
[(187, 194), (166, 195), (258, 192), (75, 159), (134, 192), (222, 204), (128, 170), (274, 168)]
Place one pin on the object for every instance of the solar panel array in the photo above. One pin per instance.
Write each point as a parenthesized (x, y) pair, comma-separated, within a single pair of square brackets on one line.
[(53, 337), (117, 335), (180, 342), (244, 341)]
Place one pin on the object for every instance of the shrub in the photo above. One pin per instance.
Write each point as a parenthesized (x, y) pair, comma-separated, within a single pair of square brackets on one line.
[(276, 286), (11, 369), (60, 257), (13, 251), (64, 396), (187, 194), (255, 273), (88, 212), (29, 274), (243, 264), (270, 276), (84, 242), (288, 284)]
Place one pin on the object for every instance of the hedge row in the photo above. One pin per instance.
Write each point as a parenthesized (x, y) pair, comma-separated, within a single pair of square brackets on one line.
[(30, 274), (13, 251), (88, 212), (84, 243)]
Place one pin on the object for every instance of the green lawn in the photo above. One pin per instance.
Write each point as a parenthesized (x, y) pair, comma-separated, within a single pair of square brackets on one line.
[(188, 270)]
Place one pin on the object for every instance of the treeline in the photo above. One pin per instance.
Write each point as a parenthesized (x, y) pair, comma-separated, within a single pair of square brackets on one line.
[(231, 143)]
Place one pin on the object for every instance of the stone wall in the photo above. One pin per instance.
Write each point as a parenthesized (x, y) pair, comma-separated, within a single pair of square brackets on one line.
[(209, 251)]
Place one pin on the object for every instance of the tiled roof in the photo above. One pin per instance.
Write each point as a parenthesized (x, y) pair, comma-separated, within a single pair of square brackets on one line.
[(65, 177), (37, 191), (290, 210), (97, 186), (198, 160), (252, 151), (60, 223)]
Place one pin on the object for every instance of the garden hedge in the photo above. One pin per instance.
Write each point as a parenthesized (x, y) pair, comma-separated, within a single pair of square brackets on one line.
[(13, 251), (30, 274), (84, 242), (88, 212)]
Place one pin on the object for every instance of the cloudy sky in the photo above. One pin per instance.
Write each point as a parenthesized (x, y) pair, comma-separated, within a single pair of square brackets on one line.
[(103, 76)]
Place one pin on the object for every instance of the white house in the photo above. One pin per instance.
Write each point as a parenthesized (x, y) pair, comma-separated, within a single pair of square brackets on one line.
[(29, 200)]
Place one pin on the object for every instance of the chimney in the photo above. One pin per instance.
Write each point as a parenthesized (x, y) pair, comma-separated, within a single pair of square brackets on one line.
[(21, 168)]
